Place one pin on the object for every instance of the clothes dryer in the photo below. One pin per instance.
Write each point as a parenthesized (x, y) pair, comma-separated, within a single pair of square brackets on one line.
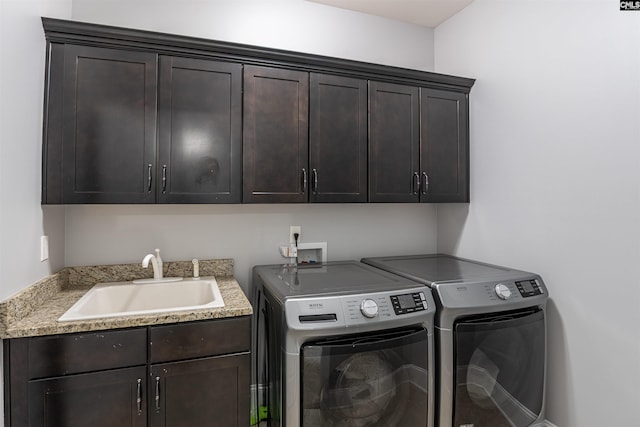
[(347, 345), (490, 339)]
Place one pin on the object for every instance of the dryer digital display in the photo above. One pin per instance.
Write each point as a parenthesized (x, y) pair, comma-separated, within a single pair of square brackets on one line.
[(529, 288)]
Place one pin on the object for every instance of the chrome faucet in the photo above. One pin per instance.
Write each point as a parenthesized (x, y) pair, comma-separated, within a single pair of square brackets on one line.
[(156, 262)]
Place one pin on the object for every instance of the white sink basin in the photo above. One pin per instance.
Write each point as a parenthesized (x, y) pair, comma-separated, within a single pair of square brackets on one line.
[(126, 298)]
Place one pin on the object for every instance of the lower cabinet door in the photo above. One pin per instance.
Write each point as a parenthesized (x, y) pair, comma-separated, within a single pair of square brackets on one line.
[(100, 399), (211, 392)]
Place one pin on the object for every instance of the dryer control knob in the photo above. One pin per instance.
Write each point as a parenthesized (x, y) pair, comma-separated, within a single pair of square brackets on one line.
[(369, 308), (502, 291)]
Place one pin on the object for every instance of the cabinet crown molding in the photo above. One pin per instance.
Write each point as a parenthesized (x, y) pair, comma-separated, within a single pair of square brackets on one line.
[(66, 31)]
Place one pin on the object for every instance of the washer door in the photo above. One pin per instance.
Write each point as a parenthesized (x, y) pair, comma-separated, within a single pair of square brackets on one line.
[(366, 380), (499, 373)]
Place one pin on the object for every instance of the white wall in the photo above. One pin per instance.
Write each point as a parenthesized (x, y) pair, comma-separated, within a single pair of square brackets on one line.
[(251, 234), (555, 156), (22, 49), (22, 222), (295, 25)]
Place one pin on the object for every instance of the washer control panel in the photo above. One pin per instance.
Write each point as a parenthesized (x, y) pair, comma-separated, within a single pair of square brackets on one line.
[(366, 308), (358, 309)]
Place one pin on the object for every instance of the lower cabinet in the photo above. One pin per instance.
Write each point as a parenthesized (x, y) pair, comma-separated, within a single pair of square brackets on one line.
[(200, 373), (203, 392), (100, 399), (187, 374)]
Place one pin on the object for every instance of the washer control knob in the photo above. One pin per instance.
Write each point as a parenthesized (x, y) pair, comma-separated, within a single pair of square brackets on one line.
[(502, 291), (369, 308)]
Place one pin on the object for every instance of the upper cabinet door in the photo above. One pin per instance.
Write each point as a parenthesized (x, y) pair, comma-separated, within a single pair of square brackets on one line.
[(199, 131), (109, 125), (338, 139), (394, 142), (275, 135), (444, 147)]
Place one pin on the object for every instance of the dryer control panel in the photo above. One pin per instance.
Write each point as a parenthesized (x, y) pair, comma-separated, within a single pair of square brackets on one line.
[(503, 293), (529, 288)]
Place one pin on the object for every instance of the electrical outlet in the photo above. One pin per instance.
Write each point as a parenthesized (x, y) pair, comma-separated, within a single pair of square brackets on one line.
[(44, 248), (292, 230)]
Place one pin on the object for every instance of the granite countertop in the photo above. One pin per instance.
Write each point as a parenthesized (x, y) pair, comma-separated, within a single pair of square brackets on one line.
[(34, 311)]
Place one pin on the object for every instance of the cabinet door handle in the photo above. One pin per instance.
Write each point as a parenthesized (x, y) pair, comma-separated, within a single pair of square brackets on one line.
[(149, 177), (425, 183), (164, 179), (157, 398), (304, 180), (139, 396), (314, 185), (416, 183)]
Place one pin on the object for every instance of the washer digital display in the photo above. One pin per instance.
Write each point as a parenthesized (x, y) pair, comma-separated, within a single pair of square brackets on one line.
[(408, 303)]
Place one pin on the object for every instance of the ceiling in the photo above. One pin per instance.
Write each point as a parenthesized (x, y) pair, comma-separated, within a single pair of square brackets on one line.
[(428, 13)]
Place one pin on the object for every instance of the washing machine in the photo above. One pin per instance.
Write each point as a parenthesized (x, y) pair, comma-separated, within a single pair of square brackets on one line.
[(344, 344), (490, 330)]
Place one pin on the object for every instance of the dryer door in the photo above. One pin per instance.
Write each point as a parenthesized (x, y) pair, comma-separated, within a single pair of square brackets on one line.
[(366, 380), (500, 372)]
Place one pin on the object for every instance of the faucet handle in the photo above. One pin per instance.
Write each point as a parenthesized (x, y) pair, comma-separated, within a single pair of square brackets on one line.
[(159, 260), (196, 268)]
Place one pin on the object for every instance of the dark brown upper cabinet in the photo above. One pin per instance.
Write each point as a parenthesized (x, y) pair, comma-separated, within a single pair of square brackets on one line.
[(142, 117), (275, 135), (199, 131), (419, 145), (444, 146), (394, 139), (305, 137), (107, 129), (338, 139), (101, 143)]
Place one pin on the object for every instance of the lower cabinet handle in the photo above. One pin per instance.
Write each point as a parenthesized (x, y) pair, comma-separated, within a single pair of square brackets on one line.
[(425, 185), (139, 396), (157, 393), (416, 183), (304, 180), (314, 185), (164, 179), (149, 178)]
